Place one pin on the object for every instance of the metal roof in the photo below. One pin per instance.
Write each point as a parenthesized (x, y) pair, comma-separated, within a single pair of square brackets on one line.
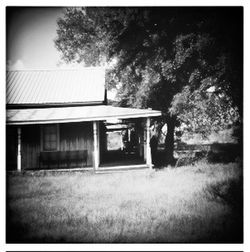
[(74, 114), (86, 85)]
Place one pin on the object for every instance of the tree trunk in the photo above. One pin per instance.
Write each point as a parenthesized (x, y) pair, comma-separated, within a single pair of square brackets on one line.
[(169, 140)]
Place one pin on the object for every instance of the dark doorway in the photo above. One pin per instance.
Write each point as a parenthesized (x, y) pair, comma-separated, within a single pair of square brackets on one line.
[(124, 144)]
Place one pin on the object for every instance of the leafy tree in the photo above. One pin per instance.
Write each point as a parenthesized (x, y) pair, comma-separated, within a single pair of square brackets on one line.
[(166, 59)]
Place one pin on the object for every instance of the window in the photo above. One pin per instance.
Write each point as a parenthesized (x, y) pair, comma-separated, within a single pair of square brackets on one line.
[(50, 137)]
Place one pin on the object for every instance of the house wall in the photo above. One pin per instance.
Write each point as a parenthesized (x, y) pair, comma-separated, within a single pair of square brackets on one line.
[(72, 136), (11, 148), (77, 136), (30, 146)]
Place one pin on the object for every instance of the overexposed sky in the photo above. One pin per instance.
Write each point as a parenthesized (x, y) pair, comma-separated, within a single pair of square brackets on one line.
[(30, 35), (30, 39)]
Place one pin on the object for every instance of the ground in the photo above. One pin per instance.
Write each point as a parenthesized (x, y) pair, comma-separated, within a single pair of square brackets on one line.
[(200, 203)]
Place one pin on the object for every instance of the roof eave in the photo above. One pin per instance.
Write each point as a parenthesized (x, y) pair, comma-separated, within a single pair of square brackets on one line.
[(52, 105), (90, 119)]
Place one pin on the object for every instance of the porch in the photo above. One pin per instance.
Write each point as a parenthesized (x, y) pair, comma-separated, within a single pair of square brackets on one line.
[(48, 138)]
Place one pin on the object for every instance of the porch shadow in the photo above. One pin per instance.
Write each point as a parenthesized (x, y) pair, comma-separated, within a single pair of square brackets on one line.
[(120, 158)]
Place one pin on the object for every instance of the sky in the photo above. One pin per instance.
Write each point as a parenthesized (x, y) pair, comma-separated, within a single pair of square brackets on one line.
[(30, 35)]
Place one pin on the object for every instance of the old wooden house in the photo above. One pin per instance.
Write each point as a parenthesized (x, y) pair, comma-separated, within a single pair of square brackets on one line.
[(58, 119)]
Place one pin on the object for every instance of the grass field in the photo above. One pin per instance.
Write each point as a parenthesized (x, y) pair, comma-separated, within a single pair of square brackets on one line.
[(201, 203)]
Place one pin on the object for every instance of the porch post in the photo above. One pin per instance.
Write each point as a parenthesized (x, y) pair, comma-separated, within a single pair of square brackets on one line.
[(95, 145), (19, 163), (149, 160)]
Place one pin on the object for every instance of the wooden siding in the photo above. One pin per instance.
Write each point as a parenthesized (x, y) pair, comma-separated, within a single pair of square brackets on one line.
[(72, 136), (30, 146), (77, 136), (11, 148)]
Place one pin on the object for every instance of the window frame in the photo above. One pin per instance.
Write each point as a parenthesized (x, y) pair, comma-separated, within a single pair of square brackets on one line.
[(42, 135)]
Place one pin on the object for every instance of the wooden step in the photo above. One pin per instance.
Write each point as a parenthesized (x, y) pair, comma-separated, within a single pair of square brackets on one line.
[(121, 168)]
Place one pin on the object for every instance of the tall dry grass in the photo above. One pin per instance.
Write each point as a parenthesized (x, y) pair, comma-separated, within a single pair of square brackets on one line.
[(170, 205)]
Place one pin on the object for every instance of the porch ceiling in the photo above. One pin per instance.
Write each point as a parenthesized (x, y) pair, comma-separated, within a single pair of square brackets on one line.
[(74, 114)]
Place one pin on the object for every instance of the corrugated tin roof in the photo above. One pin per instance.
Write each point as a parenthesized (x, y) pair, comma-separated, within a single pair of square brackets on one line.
[(55, 86), (74, 114)]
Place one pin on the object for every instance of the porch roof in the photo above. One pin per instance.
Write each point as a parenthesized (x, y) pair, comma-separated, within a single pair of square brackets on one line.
[(74, 114)]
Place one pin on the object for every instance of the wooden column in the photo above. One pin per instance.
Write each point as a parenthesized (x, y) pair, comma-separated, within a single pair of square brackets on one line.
[(149, 159), (19, 155), (96, 163)]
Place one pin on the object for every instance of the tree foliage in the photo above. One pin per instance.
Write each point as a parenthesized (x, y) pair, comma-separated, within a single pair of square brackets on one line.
[(165, 58)]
